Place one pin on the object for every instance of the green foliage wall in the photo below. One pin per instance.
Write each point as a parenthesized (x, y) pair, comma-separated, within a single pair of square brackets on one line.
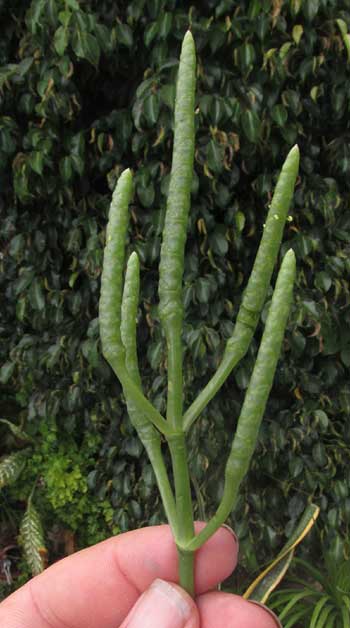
[(87, 89)]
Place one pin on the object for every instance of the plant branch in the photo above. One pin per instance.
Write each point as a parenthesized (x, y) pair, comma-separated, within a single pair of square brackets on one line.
[(255, 399), (171, 295), (147, 433), (257, 287)]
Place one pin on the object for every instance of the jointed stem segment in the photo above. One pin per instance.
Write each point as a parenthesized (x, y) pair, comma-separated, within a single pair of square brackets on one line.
[(118, 313)]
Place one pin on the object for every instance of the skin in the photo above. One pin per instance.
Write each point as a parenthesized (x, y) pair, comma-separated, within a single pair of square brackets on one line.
[(100, 585)]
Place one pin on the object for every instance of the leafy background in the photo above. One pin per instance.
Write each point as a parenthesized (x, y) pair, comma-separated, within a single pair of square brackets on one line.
[(87, 89)]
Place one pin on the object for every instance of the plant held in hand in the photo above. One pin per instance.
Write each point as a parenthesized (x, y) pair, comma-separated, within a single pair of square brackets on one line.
[(118, 307)]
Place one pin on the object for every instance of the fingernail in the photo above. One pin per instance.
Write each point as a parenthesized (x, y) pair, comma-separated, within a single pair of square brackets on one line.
[(161, 606), (227, 527), (268, 610)]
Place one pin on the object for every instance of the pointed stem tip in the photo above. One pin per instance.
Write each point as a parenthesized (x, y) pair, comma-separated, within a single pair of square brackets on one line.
[(295, 151), (290, 254)]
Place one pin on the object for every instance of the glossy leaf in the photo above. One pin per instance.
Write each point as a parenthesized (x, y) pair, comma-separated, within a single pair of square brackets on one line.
[(251, 125), (61, 40)]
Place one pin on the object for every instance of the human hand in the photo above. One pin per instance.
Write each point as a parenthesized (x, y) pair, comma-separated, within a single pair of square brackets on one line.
[(129, 581)]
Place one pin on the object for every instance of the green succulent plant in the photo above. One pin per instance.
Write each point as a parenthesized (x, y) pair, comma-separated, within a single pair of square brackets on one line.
[(118, 308)]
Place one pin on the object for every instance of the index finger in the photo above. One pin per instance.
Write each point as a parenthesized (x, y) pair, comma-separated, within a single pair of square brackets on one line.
[(98, 586)]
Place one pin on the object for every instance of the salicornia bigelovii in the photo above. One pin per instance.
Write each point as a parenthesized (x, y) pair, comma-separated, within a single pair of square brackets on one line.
[(118, 313)]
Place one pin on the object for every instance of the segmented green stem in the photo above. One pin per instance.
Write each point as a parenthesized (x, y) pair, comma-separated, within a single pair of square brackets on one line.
[(111, 297), (256, 290), (255, 399), (171, 292), (145, 430), (171, 265)]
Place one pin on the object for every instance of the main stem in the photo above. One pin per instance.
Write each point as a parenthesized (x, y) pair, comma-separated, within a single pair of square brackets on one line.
[(185, 527), (177, 446)]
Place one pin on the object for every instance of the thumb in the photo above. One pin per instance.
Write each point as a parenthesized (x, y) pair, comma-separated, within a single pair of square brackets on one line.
[(163, 605)]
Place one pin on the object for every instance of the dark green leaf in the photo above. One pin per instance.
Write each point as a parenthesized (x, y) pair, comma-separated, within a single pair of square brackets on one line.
[(202, 290), (323, 281), (215, 156), (66, 168), (146, 194), (6, 372), (73, 4), (86, 46), (61, 40), (164, 24), (151, 31), (167, 94), (251, 125), (218, 242), (36, 161), (124, 35), (17, 245), (36, 295), (311, 8), (151, 108), (279, 115)]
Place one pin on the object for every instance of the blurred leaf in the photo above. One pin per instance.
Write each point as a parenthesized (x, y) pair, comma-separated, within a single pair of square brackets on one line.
[(151, 109), (86, 46), (323, 281), (164, 24), (310, 9), (297, 33), (218, 242), (345, 356), (251, 125), (240, 221), (17, 432), (124, 35), (73, 4), (146, 194), (6, 372), (202, 290), (215, 156), (36, 161), (150, 33), (61, 40), (279, 115), (155, 354), (167, 94), (32, 540), (345, 35), (36, 295), (66, 168), (269, 579), (11, 467)]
